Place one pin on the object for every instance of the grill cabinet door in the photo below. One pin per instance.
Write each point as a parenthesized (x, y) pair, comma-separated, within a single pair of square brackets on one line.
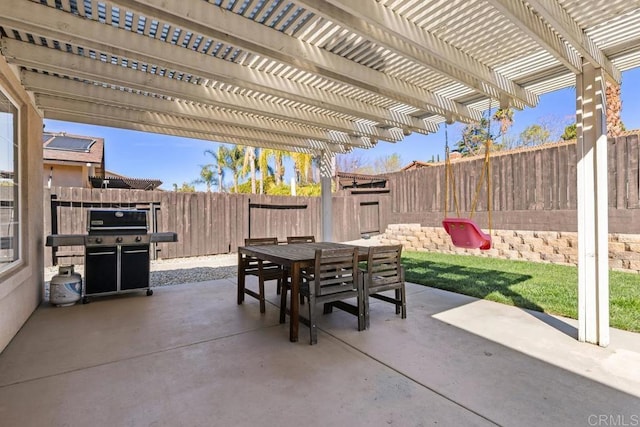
[(134, 267), (101, 270)]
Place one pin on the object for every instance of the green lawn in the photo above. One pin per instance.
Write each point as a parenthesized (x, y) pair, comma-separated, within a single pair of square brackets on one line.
[(543, 287)]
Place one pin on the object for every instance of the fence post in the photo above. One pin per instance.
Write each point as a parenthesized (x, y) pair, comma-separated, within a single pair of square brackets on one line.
[(54, 225), (326, 160)]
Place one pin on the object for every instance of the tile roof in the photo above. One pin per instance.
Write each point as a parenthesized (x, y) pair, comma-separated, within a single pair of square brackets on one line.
[(125, 183), (416, 164)]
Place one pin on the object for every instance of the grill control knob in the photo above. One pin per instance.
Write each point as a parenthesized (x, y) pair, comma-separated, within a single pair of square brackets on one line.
[(98, 239), (119, 239), (138, 238)]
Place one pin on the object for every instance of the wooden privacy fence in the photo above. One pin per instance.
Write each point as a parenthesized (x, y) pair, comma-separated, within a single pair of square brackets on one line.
[(210, 223), (532, 189)]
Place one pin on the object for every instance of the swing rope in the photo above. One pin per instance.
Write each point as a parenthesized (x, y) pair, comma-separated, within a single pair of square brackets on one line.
[(449, 177), (485, 176)]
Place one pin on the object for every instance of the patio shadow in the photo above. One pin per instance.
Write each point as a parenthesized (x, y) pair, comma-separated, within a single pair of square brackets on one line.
[(474, 282)]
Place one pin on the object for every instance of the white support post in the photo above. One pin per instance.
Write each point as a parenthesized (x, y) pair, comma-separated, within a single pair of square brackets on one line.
[(326, 173), (593, 220)]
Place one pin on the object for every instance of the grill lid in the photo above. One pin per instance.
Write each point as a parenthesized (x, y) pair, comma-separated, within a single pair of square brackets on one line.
[(116, 220)]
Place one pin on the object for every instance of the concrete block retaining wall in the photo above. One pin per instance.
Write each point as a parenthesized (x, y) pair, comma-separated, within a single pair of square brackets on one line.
[(539, 246)]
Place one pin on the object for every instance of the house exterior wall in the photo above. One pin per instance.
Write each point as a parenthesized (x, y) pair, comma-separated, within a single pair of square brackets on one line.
[(21, 286), (65, 175)]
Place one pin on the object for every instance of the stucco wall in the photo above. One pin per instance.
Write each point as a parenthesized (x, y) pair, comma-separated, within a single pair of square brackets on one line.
[(540, 246), (21, 286), (65, 176)]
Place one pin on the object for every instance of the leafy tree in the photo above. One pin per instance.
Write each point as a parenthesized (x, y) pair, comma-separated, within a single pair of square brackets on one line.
[(614, 107), (508, 142), (185, 188), (555, 124), (505, 117), (474, 137), (280, 190), (386, 164), (534, 135), (356, 163), (207, 176), (570, 132), (312, 190), (353, 162), (309, 190)]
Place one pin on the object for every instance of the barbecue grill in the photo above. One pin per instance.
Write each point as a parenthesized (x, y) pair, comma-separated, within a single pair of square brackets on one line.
[(117, 251)]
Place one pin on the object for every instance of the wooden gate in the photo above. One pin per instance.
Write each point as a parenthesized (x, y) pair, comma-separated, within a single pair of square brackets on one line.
[(369, 217)]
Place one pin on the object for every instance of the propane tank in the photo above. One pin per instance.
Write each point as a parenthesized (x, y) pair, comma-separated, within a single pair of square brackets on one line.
[(65, 288)]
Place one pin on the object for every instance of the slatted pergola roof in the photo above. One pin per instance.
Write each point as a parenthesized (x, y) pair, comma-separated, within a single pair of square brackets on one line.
[(306, 75)]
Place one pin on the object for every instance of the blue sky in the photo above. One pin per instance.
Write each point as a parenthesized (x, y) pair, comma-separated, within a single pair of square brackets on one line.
[(178, 160)]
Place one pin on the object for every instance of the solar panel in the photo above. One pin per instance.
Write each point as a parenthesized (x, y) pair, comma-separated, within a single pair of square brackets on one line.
[(70, 143)]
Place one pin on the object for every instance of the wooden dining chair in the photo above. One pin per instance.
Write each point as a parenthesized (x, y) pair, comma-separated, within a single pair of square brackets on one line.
[(384, 272), (333, 278), (264, 270), (301, 239)]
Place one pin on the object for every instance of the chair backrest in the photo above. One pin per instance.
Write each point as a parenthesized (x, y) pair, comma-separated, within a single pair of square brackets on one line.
[(384, 266), (253, 265), (335, 271), (301, 239), (260, 241)]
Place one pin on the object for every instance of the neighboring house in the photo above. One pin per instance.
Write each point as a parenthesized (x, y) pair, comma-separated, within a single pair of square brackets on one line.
[(346, 180), (416, 164), (78, 161), (69, 160), (114, 180)]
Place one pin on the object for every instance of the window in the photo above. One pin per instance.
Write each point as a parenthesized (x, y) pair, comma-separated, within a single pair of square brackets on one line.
[(9, 189)]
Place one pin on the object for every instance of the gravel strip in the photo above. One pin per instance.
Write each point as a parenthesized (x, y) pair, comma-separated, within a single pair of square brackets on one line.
[(180, 270)]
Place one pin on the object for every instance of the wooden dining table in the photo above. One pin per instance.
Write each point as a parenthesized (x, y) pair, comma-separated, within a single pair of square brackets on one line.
[(294, 257)]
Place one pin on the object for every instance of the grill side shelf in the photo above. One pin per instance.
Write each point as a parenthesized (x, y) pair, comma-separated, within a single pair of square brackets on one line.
[(167, 236), (55, 240)]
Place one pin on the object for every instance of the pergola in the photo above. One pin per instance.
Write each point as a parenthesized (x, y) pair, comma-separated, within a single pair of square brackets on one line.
[(325, 76)]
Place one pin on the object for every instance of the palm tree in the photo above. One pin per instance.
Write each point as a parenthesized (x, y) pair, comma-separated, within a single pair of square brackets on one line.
[(302, 164), (249, 161), (206, 176), (279, 157), (220, 163), (263, 165), (234, 160)]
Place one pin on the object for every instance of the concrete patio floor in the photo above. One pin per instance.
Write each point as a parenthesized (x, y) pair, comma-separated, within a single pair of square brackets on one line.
[(189, 356)]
